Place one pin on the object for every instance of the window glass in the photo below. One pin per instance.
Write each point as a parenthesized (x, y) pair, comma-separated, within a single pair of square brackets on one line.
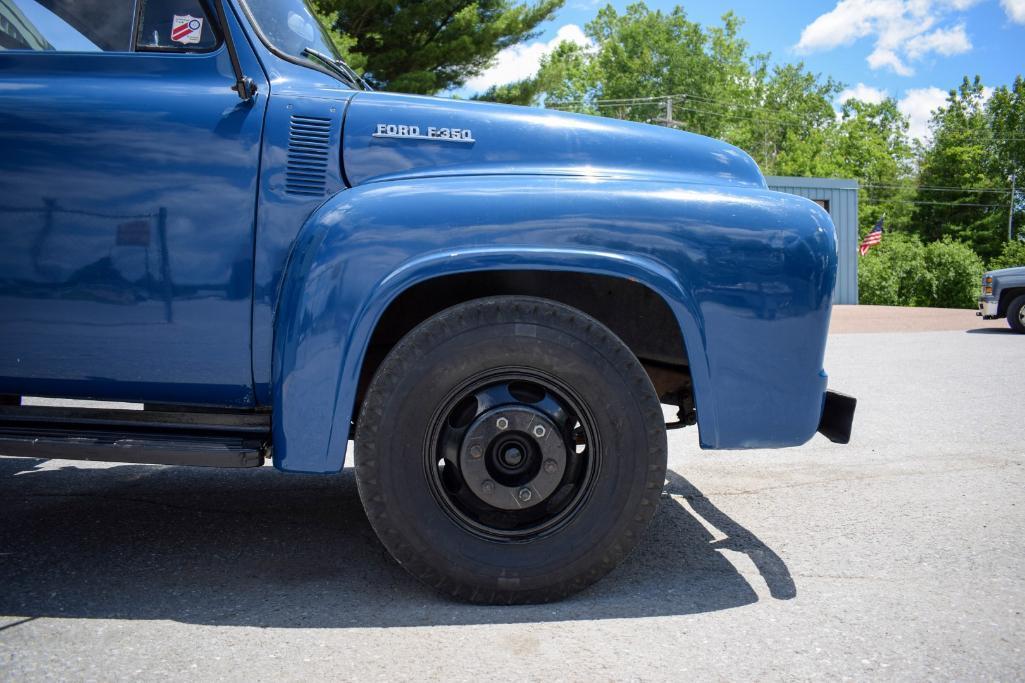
[(66, 25), (291, 26), (175, 25)]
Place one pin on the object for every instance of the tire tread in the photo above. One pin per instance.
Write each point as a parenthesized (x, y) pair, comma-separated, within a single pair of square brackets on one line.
[(481, 312)]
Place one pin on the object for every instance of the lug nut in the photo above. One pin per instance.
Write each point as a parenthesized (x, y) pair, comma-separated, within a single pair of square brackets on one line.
[(550, 466), (502, 423), (525, 494), (476, 451), (488, 486), (539, 431)]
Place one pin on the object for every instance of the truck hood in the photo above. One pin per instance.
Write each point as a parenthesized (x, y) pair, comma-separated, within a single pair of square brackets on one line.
[(388, 136), (1008, 272)]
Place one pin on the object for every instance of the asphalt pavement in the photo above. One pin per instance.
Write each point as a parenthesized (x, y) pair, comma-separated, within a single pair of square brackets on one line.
[(900, 556)]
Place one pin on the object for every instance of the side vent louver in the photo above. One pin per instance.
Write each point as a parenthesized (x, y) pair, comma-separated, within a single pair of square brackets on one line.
[(308, 138)]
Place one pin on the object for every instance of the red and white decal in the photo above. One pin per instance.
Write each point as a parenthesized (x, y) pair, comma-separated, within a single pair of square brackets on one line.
[(186, 29)]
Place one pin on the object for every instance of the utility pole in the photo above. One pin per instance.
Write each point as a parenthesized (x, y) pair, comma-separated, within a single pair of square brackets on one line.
[(1010, 212), (669, 112)]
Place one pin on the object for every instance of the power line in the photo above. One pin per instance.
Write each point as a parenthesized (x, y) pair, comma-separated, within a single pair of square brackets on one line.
[(607, 103), (935, 188), (927, 203), (755, 106)]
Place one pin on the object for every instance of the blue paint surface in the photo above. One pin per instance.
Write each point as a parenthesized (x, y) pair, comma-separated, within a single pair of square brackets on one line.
[(159, 240), (748, 273), (127, 204)]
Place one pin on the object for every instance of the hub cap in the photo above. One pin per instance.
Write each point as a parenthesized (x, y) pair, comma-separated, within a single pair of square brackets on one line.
[(511, 454), (524, 469)]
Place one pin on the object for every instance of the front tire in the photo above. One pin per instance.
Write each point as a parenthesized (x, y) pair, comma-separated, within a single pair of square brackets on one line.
[(1016, 314), (510, 450)]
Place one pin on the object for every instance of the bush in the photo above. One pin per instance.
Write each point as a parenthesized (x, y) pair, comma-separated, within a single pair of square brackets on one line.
[(1012, 256), (894, 272), (954, 275), (901, 271)]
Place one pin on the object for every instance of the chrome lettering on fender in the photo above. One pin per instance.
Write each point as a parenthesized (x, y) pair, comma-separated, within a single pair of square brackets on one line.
[(391, 130)]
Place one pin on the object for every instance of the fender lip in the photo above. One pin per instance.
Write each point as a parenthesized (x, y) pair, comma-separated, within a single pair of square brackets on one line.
[(837, 416)]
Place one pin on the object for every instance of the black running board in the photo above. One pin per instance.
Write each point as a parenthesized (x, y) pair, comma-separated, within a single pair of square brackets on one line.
[(136, 436)]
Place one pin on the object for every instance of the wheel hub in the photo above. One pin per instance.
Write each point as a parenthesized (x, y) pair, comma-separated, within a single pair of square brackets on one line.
[(511, 454), (512, 457)]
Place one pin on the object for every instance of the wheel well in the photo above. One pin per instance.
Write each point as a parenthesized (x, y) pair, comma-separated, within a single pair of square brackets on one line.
[(1006, 297), (634, 312)]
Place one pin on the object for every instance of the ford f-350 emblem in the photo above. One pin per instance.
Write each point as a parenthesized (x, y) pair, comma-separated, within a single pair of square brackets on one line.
[(402, 132)]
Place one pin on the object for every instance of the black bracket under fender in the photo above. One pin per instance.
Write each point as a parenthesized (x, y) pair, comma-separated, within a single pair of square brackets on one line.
[(837, 416)]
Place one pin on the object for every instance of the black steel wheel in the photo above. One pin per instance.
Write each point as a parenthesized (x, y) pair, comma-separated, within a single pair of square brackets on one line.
[(509, 456), (510, 450)]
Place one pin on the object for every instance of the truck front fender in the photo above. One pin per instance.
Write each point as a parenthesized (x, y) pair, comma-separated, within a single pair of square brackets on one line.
[(693, 246)]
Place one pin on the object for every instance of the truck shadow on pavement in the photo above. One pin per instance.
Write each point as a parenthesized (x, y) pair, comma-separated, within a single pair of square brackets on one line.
[(260, 548), (990, 330)]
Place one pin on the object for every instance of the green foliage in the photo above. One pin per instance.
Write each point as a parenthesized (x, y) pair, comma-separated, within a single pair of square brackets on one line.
[(644, 53), (1012, 256), (902, 271), (869, 142), (559, 79), (782, 115), (430, 46), (343, 42), (894, 273), (976, 145), (954, 272), (1005, 112)]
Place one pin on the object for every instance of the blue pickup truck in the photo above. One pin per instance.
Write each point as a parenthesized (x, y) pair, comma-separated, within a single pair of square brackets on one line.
[(204, 211), (1003, 296)]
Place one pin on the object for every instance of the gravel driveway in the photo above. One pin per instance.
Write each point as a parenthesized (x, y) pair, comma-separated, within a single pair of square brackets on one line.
[(900, 556)]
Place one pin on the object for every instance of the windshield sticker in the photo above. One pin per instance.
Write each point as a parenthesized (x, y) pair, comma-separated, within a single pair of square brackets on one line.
[(186, 29)]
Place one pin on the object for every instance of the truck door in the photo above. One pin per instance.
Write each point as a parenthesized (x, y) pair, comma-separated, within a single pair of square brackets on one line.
[(128, 180)]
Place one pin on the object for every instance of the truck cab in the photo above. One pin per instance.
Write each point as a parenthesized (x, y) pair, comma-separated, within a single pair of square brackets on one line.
[(1003, 296), (206, 214)]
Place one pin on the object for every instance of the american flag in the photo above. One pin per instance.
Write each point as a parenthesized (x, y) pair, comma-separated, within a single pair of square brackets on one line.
[(874, 237)]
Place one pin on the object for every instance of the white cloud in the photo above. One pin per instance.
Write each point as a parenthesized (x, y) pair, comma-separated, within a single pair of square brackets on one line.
[(1015, 10), (918, 105), (522, 61), (865, 93), (952, 41), (904, 30)]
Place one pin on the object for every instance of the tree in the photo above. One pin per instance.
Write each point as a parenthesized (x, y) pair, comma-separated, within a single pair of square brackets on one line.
[(429, 47), (870, 143), (643, 53), (718, 87), (1012, 256), (787, 109), (894, 273), (968, 155), (953, 274), (1005, 112), (902, 271)]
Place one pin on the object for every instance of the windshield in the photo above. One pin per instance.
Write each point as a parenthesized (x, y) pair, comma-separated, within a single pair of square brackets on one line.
[(291, 27)]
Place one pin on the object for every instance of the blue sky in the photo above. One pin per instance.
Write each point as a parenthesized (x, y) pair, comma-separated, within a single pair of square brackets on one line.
[(912, 50)]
